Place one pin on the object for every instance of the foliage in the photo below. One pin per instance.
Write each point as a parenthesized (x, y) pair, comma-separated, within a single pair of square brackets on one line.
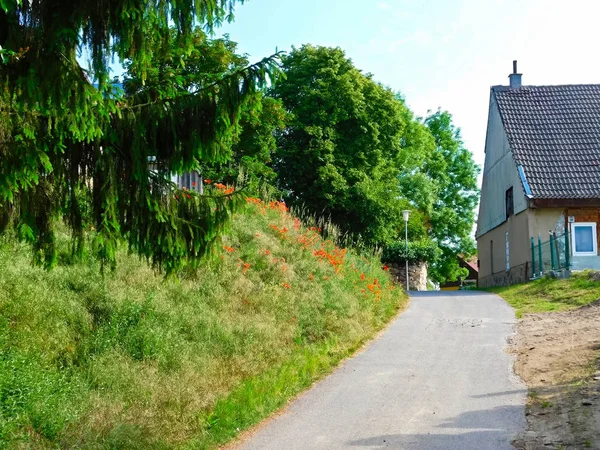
[(131, 360), (338, 154), (253, 150), (452, 168), (60, 135), (352, 150), (551, 294), (180, 71), (418, 251)]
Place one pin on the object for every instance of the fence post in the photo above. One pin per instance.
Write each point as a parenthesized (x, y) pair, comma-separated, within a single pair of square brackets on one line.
[(532, 258), (556, 251), (567, 251), (552, 255), (540, 254)]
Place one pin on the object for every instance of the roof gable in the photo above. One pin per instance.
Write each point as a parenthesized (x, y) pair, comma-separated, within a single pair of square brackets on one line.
[(554, 133)]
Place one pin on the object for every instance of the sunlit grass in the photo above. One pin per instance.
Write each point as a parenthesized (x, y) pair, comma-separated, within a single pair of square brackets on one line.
[(548, 294), (131, 360)]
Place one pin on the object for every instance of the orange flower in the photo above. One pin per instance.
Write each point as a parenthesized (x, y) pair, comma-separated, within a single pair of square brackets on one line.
[(362, 276), (245, 268), (286, 285), (267, 252), (220, 186), (386, 268), (207, 181), (194, 183), (283, 268), (310, 276), (228, 249), (228, 191)]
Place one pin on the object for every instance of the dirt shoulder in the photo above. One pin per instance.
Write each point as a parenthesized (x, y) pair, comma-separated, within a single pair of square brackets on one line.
[(558, 357)]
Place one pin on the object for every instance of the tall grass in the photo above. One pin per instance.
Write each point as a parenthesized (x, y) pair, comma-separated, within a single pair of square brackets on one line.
[(131, 360)]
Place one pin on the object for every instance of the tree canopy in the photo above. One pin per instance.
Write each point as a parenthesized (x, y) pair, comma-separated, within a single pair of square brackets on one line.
[(65, 143), (353, 151), (338, 155)]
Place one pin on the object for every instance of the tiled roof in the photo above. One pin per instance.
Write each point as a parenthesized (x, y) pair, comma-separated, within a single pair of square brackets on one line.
[(554, 133)]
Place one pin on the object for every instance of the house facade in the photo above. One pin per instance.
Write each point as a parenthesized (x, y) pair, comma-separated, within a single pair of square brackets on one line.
[(541, 175)]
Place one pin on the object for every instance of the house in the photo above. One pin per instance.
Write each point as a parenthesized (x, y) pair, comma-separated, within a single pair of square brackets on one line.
[(470, 280), (541, 175)]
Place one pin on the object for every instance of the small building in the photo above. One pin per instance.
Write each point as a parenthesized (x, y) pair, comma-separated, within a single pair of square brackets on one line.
[(541, 175)]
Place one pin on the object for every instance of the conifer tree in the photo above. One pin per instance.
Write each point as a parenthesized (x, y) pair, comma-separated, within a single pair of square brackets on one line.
[(65, 143)]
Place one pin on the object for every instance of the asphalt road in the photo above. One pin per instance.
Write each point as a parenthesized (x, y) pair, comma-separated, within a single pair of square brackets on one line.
[(438, 378)]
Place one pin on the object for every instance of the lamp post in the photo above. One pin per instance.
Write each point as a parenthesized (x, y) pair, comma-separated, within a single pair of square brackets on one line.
[(405, 215)]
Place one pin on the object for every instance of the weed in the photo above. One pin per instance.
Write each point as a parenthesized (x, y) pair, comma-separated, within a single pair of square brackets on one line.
[(131, 360)]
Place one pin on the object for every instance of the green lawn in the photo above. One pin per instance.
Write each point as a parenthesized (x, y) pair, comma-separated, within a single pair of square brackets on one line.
[(549, 294)]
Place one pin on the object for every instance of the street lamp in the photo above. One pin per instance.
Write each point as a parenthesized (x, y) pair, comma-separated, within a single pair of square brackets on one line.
[(405, 215)]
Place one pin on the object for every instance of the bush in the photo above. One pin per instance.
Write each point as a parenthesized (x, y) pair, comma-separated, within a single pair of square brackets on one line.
[(418, 251)]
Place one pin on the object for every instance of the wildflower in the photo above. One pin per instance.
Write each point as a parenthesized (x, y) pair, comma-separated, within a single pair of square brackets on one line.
[(245, 268), (283, 268), (286, 285), (362, 276), (257, 234), (228, 249), (189, 196), (194, 183), (207, 181), (267, 252), (386, 268), (228, 191), (310, 276)]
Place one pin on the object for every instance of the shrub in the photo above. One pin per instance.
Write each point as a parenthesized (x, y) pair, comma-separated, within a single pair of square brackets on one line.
[(418, 251)]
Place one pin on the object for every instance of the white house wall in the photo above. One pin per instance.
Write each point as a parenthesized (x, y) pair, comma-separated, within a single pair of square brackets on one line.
[(499, 174)]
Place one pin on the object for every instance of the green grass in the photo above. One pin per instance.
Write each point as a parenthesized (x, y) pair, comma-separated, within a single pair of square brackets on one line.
[(131, 360), (548, 294)]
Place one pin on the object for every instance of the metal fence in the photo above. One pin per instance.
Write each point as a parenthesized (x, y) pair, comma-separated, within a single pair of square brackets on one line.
[(551, 255)]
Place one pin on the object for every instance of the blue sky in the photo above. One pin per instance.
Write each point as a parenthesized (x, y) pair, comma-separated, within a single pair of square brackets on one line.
[(438, 53)]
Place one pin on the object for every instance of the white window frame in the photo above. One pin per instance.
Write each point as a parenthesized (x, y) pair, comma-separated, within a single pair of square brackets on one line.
[(594, 238), (507, 253)]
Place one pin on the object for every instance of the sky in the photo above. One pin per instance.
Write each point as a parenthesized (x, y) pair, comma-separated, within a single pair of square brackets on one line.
[(439, 53)]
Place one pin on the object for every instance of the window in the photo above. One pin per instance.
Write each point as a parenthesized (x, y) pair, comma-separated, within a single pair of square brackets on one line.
[(584, 239), (492, 256), (507, 253), (510, 208)]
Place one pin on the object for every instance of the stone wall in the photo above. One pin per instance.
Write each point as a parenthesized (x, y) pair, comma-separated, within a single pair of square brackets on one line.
[(518, 274), (417, 275)]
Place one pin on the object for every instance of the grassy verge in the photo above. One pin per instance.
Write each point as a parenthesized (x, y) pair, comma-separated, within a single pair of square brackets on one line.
[(131, 360), (548, 294)]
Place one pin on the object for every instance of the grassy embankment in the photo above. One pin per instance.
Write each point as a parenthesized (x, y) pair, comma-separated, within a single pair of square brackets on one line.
[(548, 294), (132, 360)]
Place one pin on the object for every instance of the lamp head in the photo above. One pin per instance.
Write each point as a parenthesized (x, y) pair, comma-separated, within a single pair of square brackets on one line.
[(405, 214)]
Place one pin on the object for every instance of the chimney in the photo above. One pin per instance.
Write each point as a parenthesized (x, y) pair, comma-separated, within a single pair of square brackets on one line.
[(515, 78)]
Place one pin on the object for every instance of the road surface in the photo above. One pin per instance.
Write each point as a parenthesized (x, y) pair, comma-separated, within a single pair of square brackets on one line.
[(438, 378)]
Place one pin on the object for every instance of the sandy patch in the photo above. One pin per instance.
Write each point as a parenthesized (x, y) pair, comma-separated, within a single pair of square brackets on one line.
[(558, 358)]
